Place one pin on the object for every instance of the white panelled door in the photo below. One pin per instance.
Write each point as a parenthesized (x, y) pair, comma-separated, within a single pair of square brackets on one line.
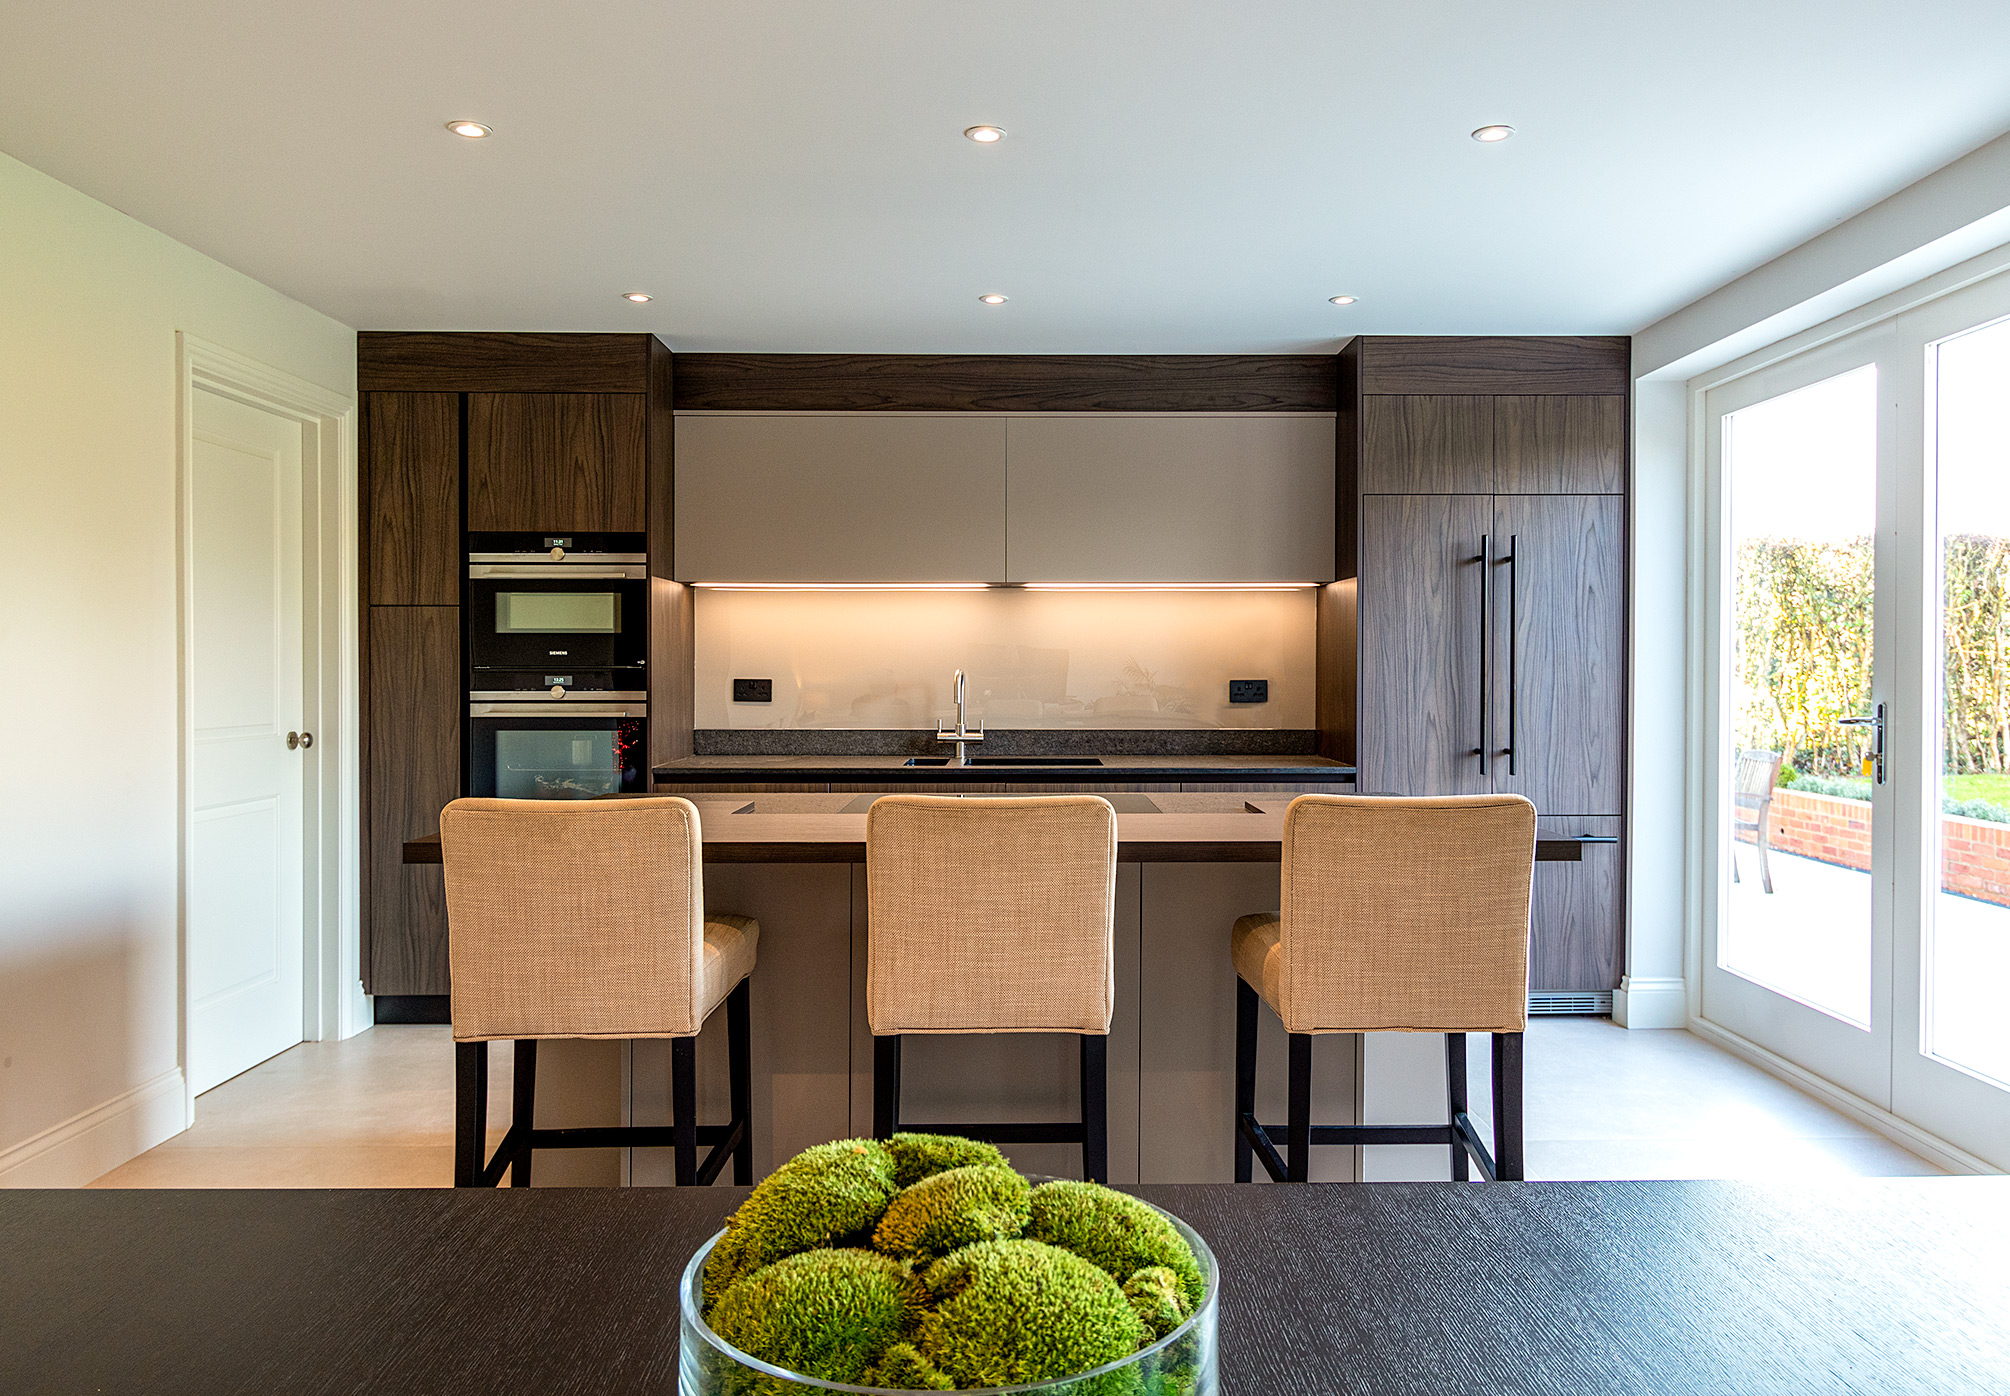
[(246, 893)]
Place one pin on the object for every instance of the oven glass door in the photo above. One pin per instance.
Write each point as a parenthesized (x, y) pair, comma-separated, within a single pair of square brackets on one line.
[(535, 623), (557, 757)]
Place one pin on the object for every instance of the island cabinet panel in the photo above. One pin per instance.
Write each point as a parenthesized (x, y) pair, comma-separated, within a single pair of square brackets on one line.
[(412, 703), (1422, 644), (1560, 445), (840, 497), (411, 528), (1577, 916), (1427, 444), (1558, 661), (1176, 498), (557, 461)]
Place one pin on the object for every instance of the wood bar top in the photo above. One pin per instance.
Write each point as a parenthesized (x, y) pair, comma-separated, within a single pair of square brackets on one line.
[(1513, 1289), (1191, 828)]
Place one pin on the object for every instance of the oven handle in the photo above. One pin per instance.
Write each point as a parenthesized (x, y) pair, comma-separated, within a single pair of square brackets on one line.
[(557, 571), (558, 710)]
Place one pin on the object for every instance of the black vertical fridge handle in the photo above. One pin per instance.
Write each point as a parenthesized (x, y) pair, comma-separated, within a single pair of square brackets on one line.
[(1486, 562), (1514, 618)]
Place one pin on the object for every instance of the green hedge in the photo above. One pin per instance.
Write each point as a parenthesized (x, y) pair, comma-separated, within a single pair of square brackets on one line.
[(1846, 788)]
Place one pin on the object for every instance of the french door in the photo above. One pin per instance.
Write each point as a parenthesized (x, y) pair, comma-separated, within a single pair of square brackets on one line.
[(1858, 790)]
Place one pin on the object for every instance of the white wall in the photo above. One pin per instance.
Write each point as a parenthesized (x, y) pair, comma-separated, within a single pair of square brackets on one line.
[(90, 302)]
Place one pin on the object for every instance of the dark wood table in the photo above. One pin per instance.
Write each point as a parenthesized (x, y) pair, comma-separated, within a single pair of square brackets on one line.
[(1874, 1286)]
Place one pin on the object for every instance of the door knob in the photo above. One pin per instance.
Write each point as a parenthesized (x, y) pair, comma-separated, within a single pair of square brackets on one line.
[(299, 741)]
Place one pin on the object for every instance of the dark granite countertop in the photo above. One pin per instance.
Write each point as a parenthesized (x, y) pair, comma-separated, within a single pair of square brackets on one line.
[(704, 770)]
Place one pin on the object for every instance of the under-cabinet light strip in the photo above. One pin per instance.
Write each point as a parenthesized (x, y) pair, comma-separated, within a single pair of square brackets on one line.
[(1006, 586)]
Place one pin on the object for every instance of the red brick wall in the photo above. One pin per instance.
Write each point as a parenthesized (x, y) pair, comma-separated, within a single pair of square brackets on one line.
[(1975, 854)]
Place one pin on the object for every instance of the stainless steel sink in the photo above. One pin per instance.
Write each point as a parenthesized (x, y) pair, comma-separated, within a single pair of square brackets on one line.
[(926, 761), (1034, 761)]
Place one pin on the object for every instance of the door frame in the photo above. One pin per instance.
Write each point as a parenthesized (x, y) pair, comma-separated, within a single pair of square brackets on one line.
[(333, 1003)]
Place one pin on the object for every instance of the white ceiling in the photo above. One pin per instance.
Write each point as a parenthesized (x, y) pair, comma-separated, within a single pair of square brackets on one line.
[(1180, 177)]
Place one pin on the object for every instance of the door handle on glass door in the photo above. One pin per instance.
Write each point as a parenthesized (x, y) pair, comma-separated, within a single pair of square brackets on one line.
[(1876, 724)]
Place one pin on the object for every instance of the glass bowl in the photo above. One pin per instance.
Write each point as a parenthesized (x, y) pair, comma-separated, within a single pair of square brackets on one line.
[(1180, 1364)]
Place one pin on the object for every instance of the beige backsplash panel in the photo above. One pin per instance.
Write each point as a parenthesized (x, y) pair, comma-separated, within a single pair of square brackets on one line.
[(1152, 660)]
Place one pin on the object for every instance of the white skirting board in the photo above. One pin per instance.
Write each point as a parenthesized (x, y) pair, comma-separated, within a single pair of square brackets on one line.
[(1651, 1003), (88, 1146)]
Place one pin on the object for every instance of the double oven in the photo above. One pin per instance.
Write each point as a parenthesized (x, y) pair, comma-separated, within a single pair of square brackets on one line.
[(557, 655)]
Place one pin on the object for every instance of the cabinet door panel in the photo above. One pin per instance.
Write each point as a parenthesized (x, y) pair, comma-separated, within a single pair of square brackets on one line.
[(1560, 445), (412, 498), (1189, 498), (556, 461), (1427, 444), (1421, 642), (844, 497), (1559, 665), (1577, 913), (412, 746)]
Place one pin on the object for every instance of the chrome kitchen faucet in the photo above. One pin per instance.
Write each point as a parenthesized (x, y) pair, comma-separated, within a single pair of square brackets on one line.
[(962, 736)]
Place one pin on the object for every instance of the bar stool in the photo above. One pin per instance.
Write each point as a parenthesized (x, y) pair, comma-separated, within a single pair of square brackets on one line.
[(1399, 915), (993, 916), (588, 919)]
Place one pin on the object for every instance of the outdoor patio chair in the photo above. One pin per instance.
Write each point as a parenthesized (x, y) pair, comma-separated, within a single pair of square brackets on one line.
[(1752, 803)]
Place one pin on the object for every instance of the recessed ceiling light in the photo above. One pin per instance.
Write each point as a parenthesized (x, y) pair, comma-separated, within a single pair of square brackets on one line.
[(473, 130), (639, 297), (993, 299), (1343, 300), (985, 135), (1489, 135)]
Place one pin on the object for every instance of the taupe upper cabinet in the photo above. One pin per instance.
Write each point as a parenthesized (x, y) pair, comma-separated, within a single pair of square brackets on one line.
[(1185, 498), (557, 461), (840, 497)]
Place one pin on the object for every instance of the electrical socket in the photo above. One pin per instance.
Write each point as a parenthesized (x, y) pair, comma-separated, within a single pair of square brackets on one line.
[(753, 690), (1249, 690)]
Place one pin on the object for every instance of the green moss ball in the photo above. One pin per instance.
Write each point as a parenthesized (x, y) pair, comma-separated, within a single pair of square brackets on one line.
[(831, 1194), (1118, 1233), (917, 1156), (903, 1368), (1011, 1312), (824, 1313), (1156, 1297), (947, 1211)]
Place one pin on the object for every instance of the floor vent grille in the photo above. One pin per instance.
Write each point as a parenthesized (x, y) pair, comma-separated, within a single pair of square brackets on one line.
[(1584, 1005)]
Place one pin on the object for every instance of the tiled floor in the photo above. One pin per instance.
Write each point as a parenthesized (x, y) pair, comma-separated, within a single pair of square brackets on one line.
[(377, 1111)]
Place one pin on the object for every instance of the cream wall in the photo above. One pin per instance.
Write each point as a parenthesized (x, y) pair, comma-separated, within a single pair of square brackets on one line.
[(90, 302)]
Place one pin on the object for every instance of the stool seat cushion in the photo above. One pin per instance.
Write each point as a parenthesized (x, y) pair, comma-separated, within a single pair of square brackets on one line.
[(730, 942), (1256, 945)]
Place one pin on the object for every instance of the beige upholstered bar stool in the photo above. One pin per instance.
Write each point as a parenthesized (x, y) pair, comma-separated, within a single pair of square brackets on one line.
[(1398, 915), (587, 919), (993, 916)]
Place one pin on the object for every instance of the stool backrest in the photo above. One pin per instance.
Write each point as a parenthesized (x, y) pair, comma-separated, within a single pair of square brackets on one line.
[(574, 918), (990, 915), (1406, 914)]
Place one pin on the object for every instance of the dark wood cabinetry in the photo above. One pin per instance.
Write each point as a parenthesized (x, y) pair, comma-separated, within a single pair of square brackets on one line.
[(571, 462), (411, 524), (1489, 615), (412, 702)]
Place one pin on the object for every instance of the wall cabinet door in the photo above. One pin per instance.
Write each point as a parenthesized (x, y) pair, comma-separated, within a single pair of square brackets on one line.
[(571, 462), (1427, 444), (1577, 915), (1559, 651), (412, 769), (1559, 445), (412, 498), (1421, 644), (842, 497), (1186, 498)]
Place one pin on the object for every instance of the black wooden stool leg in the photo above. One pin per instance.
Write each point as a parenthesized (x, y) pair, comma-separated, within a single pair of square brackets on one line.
[(885, 1086), (684, 1108), (1455, 1100), (471, 1111), (1298, 1161), (1095, 1107), (1508, 1163), (740, 1066), (1245, 1074), (523, 1107)]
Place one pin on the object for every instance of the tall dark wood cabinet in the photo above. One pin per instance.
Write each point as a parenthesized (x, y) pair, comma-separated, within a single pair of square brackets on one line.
[(1487, 588), (485, 433)]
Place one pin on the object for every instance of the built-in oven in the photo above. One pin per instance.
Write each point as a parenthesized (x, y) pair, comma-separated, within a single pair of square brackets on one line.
[(571, 749), (554, 622)]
